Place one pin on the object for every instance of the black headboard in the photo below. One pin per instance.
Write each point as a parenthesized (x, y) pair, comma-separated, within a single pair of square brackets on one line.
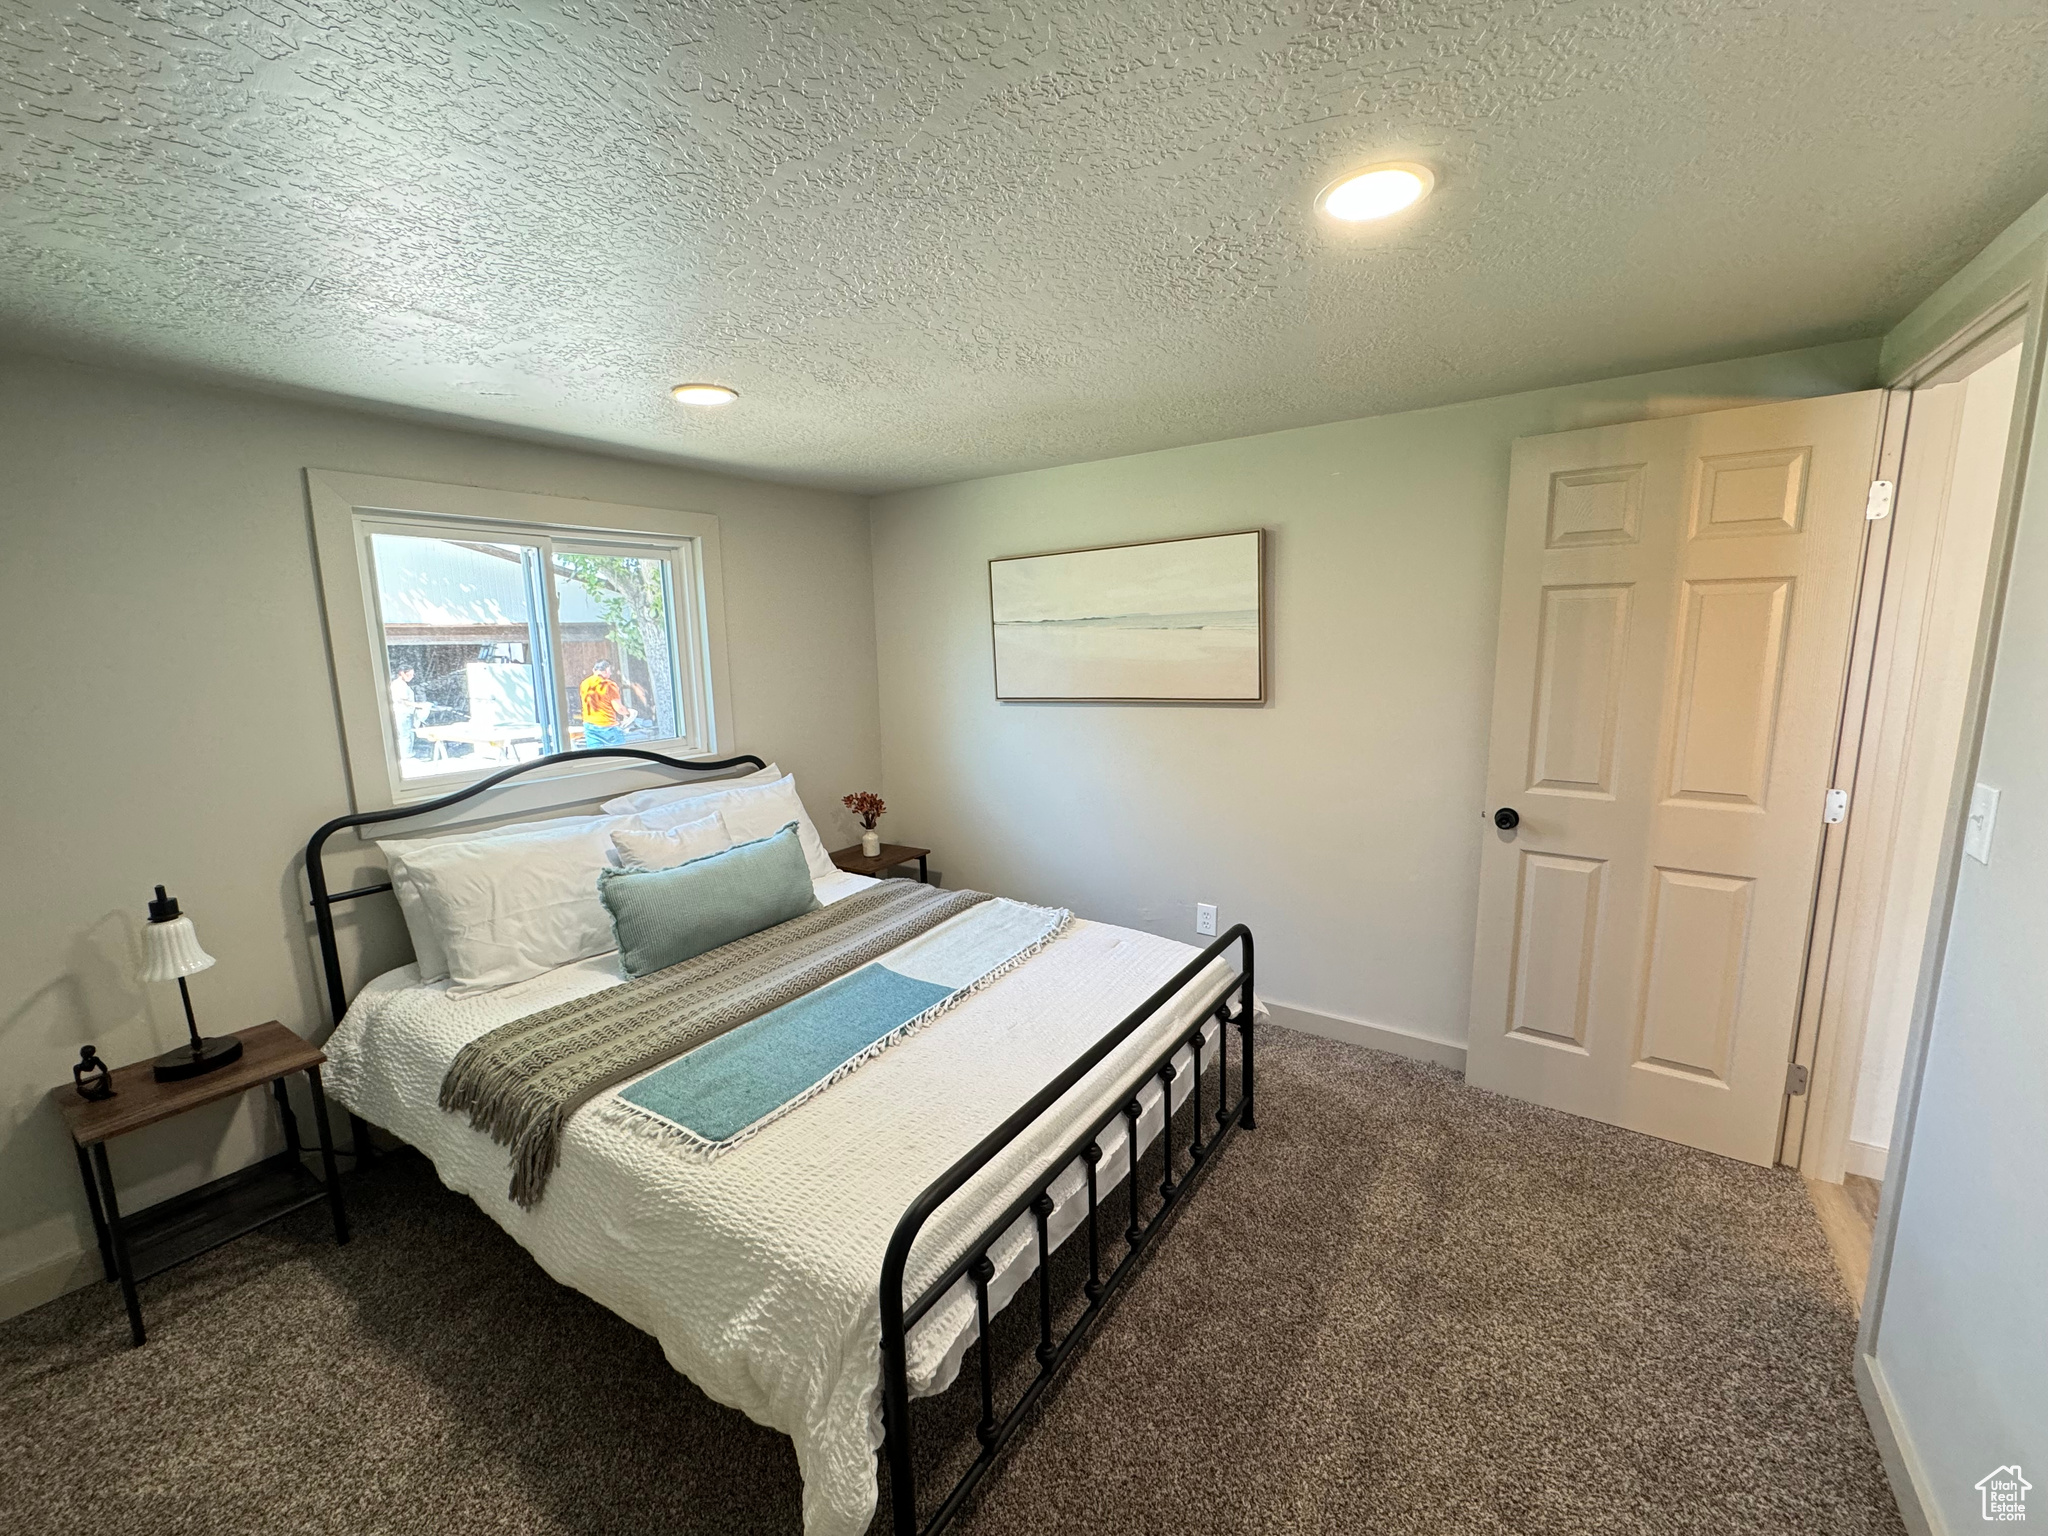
[(316, 871)]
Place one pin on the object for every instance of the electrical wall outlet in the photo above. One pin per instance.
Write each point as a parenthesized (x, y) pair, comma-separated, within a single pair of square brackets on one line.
[(1205, 919)]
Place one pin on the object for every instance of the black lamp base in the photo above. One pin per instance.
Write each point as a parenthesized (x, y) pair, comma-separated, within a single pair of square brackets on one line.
[(193, 1060)]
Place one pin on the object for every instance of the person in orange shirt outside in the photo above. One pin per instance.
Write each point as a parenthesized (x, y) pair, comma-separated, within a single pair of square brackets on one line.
[(604, 712)]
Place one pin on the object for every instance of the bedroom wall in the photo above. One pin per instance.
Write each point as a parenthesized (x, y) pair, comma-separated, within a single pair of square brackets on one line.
[(174, 720), (1963, 1329), (1340, 819), (1955, 1319)]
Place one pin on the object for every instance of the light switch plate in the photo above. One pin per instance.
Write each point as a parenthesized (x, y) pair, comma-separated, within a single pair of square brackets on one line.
[(1983, 812)]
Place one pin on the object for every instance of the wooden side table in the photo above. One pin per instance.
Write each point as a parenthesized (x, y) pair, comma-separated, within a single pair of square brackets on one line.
[(854, 862), (133, 1248)]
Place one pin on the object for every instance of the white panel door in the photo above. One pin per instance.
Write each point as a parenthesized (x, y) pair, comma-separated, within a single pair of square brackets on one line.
[(1676, 607)]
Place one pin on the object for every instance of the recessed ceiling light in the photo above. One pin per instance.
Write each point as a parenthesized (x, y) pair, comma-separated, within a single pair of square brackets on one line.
[(704, 394), (1377, 191)]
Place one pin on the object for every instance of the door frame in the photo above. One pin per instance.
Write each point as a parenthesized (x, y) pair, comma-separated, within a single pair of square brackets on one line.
[(1881, 709), (1836, 881), (1855, 858), (1962, 324)]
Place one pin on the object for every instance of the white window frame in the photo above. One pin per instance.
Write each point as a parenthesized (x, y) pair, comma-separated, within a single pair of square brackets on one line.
[(348, 509)]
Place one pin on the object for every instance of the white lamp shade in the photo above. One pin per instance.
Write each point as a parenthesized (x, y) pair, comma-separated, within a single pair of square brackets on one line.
[(173, 950)]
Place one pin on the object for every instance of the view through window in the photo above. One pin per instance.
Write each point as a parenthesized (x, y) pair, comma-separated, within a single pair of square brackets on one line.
[(498, 648), (618, 673)]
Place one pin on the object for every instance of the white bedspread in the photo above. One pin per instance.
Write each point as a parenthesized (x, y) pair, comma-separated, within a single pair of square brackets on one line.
[(758, 1273)]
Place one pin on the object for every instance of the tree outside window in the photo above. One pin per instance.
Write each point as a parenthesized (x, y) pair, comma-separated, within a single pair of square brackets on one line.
[(630, 594)]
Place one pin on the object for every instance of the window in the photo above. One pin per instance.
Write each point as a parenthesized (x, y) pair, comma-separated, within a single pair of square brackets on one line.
[(494, 640), (499, 648)]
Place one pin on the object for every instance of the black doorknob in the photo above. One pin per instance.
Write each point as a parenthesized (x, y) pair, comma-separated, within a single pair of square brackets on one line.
[(1507, 818)]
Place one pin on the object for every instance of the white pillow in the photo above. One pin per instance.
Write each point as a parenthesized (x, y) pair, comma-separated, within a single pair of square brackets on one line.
[(426, 944), (648, 848), (512, 907), (756, 812), (647, 799), (419, 924)]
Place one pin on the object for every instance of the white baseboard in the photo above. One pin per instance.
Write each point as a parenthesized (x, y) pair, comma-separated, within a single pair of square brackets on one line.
[(1374, 1037), (1902, 1467), (46, 1282), (1864, 1159)]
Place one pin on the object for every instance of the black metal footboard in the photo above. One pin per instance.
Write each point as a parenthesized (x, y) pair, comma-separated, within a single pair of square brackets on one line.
[(898, 1319)]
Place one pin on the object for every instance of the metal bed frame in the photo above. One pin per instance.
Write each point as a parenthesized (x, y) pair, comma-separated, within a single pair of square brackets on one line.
[(899, 1316), (1138, 1233)]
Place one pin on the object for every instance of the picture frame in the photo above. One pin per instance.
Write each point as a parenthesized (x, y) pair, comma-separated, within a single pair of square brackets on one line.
[(1155, 621)]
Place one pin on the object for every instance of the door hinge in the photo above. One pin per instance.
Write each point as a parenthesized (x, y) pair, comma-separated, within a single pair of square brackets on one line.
[(1837, 807), (1879, 503), (1795, 1080)]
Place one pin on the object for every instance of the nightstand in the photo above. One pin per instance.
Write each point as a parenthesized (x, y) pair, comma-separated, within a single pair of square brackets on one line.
[(854, 862), (133, 1248)]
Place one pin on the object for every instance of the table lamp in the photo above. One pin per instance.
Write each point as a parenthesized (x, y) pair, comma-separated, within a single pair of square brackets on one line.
[(174, 954)]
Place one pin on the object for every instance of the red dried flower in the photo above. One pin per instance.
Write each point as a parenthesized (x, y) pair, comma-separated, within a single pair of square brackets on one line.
[(866, 805)]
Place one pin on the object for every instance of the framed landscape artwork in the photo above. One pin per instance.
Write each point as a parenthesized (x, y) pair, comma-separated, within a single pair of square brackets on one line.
[(1173, 621)]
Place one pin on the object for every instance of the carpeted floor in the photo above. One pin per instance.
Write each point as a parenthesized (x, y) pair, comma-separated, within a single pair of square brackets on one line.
[(1401, 1305)]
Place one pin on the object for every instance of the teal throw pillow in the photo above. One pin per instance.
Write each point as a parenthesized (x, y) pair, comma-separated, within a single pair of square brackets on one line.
[(663, 917)]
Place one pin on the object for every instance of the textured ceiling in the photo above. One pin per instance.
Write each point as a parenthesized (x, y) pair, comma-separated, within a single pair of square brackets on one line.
[(929, 241)]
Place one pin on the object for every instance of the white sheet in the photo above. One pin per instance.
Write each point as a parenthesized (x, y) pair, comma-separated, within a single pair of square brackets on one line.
[(758, 1272)]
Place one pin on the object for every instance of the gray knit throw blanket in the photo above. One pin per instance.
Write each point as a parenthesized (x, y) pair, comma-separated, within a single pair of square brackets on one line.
[(523, 1080)]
